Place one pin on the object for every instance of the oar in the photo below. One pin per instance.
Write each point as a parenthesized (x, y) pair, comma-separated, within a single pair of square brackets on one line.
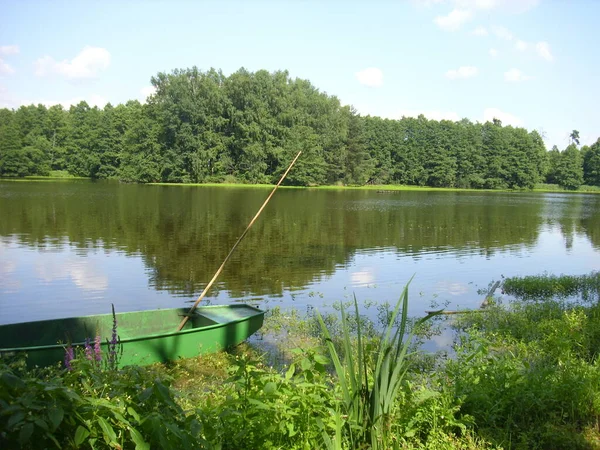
[(216, 275)]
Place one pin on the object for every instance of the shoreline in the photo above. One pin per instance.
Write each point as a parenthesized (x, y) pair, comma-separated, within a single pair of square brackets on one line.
[(381, 188)]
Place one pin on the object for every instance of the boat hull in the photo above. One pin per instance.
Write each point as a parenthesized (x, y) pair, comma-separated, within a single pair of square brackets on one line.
[(145, 337)]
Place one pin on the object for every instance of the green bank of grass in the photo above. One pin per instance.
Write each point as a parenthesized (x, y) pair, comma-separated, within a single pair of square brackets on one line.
[(542, 187), (525, 375), (379, 188), (227, 185), (388, 188), (54, 175)]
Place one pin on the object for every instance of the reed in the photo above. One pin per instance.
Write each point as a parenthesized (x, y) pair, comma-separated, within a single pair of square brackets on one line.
[(369, 391)]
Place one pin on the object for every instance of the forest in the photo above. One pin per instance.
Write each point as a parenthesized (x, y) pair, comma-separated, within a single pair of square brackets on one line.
[(201, 127)]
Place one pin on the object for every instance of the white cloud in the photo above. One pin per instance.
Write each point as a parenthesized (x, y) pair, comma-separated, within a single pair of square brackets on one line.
[(9, 49), (82, 273), (427, 3), (493, 53), (517, 6), (490, 114), (462, 72), (5, 69), (507, 6), (476, 4), (543, 49), (502, 33), (7, 100), (453, 21), (480, 31), (432, 115), (515, 75), (452, 288), (371, 76), (87, 64), (521, 45), (363, 277), (147, 92)]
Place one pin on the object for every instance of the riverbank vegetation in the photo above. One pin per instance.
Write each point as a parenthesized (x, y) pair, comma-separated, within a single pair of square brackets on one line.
[(203, 127), (524, 375)]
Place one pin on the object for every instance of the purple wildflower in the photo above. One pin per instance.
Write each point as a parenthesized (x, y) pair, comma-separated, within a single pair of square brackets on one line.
[(88, 349), (69, 356), (97, 349)]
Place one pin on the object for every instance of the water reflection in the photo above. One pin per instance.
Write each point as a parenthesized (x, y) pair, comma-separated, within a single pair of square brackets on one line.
[(147, 245)]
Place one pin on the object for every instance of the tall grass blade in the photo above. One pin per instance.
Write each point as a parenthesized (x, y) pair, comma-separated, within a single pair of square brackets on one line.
[(369, 403)]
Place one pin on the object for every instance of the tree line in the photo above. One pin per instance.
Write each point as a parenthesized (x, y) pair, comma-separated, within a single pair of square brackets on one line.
[(207, 127)]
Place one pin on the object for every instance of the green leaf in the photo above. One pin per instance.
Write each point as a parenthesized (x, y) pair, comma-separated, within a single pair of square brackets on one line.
[(257, 403), (11, 380), (109, 434), (290, 372), (138, 439), (145, 395), (305, 364), (81, 435), (15, 419), (290, 427), (56, 415), (133, 413), (270, 388), (41, 424), (321, 359), (25, 433), (120, 418)]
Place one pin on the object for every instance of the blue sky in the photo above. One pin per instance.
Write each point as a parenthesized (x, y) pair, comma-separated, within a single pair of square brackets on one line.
[(532, 63)]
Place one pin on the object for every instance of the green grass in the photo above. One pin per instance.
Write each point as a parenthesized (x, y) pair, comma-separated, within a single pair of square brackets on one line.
[(389, 187), (381, 187), (54, 175), (227, 185), (548, 287), (543, 187), (524, 376)]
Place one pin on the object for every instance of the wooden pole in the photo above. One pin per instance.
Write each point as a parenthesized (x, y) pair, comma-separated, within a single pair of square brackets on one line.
[(216, 275)]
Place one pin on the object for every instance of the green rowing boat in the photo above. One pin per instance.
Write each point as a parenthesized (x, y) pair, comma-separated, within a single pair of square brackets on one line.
[(146, 336)]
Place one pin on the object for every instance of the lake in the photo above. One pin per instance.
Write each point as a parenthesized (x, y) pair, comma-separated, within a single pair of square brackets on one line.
[(74, 247)]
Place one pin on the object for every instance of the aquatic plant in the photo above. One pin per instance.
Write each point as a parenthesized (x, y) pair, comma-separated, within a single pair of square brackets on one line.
[(544, 287), (369, 393)]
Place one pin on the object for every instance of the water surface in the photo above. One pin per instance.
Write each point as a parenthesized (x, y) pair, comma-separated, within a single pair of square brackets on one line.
[(73, 248)]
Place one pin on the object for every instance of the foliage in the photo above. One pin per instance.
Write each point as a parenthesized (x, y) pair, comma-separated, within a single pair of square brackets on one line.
[(127, 408), (237, 402), (547, 287), (568, 170), (369, 393), (202, 127), (529, 375), (591, 164)]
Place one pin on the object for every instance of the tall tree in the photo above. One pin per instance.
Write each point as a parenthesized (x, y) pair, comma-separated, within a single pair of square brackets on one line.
[(574, 137), (569, 173), (591, 165)]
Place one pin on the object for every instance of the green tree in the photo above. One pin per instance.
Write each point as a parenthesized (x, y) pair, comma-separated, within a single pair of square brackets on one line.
[(574, 137), (591, 165), (569, 173)]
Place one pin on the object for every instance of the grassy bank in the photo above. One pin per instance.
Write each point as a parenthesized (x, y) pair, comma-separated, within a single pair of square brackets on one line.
[(54, 175), (525, 375), (391, 187)]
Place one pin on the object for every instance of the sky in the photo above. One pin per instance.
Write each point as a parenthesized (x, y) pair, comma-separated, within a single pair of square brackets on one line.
[(530, 63)]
